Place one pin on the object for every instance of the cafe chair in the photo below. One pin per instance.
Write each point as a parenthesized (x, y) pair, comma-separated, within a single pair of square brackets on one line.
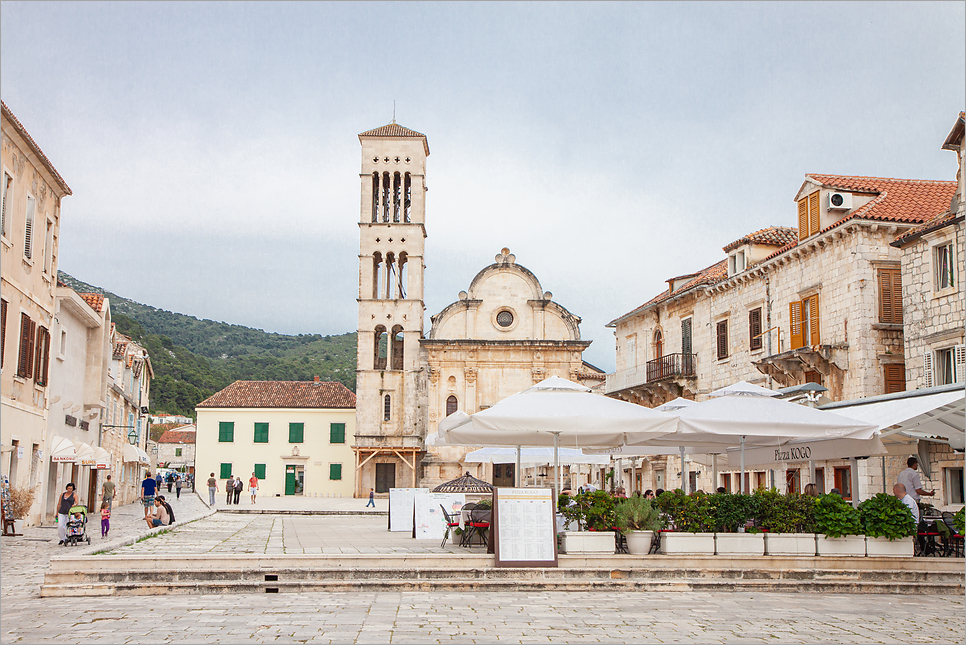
[(452, 523)]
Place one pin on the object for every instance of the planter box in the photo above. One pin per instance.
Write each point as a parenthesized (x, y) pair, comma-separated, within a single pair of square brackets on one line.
[(850, 545), (790, 544), (588, 542), (739, 543), (902, 548), (676, 543), (639, 542)]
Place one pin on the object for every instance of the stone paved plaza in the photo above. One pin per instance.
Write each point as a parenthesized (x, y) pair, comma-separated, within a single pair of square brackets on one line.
[(422, 617)]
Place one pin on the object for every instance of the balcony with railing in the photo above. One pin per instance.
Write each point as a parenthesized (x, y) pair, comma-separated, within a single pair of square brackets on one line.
[(671, 366)]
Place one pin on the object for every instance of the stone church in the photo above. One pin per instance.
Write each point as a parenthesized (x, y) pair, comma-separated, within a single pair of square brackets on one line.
[(502, 335)]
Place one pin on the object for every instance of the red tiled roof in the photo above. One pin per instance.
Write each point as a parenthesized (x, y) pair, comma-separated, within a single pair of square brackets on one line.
[(912, 201), (282, 394), (935, 223), (178, 436), (119, 350), (395, 130), (709, 275), (95, 300), (22, 131), (772, 236)]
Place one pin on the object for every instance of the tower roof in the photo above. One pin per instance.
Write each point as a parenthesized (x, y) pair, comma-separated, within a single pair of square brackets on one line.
[(395, 131)]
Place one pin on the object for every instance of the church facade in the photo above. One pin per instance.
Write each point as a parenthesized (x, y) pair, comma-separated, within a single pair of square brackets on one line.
[(502, 335)]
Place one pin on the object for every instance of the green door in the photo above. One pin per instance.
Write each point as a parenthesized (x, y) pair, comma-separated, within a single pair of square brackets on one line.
[(289, 480)]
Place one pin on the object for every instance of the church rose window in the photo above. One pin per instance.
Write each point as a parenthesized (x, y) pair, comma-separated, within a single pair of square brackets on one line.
[(504, 319)]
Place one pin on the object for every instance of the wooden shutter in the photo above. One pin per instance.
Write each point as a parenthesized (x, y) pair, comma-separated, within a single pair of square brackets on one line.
[(686, 336), (814, 213), (296, 432), (890, 296), (813, 320), (803, 218), (261, 433), (226, 432), (225, 471), (29, 228), (260, 471), (42, 356), (927, 378), (895, 378), (335, 472), (722, 339), (797, 334), (25, 368), (960, 355), (754, 328), (336, 433)]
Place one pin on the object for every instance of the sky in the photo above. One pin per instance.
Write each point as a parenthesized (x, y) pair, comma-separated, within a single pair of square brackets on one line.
[(213, 155)]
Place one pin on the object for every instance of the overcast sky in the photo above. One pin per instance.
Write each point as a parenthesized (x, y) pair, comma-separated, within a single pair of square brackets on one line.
[(213, 155)]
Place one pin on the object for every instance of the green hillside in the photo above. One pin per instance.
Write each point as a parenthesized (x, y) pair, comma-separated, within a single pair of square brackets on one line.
[(194, 358)]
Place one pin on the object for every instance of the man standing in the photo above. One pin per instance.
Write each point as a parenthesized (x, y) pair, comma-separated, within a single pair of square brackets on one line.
[(253, 486), (107, 492), (899, 490), (239, 487), (212, 489), (230, 488), (149, 489), (909, 478), (158, 480)]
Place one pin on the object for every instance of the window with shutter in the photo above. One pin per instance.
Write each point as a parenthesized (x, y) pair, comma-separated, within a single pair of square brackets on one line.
[(25, 366), (686, 336), (754, 329), (7, 187), (296, 432), (943, 262), (29, 228), (797, 334), (336, 433), (945, 370), (960, 351), (261, 433), (260, 471), (803, 218), (890, 296), (335, 471), (42, 357), (226, 432), (814, 338), (722, 338), (225, 471), (814, 213), (927, 377), (895, 378)]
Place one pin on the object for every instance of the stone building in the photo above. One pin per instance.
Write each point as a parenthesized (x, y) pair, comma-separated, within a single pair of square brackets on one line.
[(817, 303), (29, 238), (176, 449), (503, 335)]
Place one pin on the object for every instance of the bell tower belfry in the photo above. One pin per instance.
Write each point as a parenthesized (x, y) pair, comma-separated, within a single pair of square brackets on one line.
[(389, 384)]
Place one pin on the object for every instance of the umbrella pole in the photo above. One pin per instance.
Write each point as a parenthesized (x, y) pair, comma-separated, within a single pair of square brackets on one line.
[(742, 488), (516, 478), (714, 472), (556, 465), (683, 474)]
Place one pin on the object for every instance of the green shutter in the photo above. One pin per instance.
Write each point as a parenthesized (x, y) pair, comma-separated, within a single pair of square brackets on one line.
[(336, 433), (260, 471), (335, 471), (226, 431), (295, 432), (261, 433), (225, 471)]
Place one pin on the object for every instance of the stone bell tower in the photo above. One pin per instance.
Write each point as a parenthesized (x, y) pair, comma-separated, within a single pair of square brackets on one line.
[(390, 389)]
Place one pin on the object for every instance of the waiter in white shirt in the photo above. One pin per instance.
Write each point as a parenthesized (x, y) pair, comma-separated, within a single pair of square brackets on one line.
[(910, 479)]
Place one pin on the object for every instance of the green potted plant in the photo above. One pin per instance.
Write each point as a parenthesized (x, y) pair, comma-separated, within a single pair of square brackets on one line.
[(788, 522), (690, 517), (959, 519), (888, 526), (638, 520), (730, 512), (594, 514), (839, 527)]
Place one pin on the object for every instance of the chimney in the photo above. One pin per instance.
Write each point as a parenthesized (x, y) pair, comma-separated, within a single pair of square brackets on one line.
[(316, 379)]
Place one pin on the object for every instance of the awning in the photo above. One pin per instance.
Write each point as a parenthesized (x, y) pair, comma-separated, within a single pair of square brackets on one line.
[(143, 456), (532, 456), (85, 454), (62, 450), (804, 451), (130, 453), (102, 459), (935, 414)]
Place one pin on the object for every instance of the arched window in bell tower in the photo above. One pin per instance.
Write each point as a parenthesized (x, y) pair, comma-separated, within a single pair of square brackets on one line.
[(376, 274), (403, 272), (390, 279), (396, 196), (380, 348), (375, 197), (387, 408), (386, 194), (408, 196), (452, 405), (397, 347)]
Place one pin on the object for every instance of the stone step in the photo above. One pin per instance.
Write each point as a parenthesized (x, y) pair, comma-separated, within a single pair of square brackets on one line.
[(507, 584)]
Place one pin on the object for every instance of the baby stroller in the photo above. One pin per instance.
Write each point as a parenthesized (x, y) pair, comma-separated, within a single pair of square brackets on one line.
[(77, 527)]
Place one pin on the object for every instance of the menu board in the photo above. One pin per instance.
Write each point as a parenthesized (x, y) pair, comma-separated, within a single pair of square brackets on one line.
[(430, 521), (524, 527), (401, 504)]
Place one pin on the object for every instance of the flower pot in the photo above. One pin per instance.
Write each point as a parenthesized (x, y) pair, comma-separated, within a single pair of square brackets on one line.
[(790, 544), (588, 542), (18, 527), (849, 545), (678, 543), (739, 543), (880, 546), (639, 542)]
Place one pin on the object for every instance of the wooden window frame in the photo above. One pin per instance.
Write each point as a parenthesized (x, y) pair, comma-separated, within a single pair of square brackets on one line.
[(387, 408), (296, 432), (225, 467), (450, 409), (335, 472), (755, 340), (837, 480), (890, 296), (260, 433), (25, 364), (259, 470), (944, 266), (336, 433), (42, 358), (894, 378), (687, 336), (809, 215), (226, 432), (721, 339), (799, 323)]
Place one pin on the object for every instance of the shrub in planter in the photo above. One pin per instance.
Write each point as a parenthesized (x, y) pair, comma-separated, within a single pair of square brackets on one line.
[(835, 517), (637, 514), (687, 513), (779, 513), (959, 520), (731, 511), (21, 499), (886, 516), (594, 511)]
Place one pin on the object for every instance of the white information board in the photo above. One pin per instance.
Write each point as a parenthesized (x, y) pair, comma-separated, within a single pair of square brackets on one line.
[(430, 521), (525, 528), (401, 502)]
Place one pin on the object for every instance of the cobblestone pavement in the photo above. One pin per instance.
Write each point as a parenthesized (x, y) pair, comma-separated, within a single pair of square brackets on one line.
[(422, 617)]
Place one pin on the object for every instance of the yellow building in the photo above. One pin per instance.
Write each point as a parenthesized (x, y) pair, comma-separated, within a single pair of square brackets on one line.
[(296, 436)]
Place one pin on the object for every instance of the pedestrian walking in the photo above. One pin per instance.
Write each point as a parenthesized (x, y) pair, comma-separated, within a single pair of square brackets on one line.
[(177, 486), (107, 492), (105, 519), (239, 487), (67, 499), (158, 480), (372, 498), (253, 486), (149, 488), (212, 489), (230, 488), (170, 480)]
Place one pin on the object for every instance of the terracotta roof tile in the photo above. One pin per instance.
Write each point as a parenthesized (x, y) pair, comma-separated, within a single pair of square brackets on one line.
[(911, 201), (395, 130), (119, 350), (772, 236), (22, 131), (935, 223), (95, 300), (282, 394), (177, 436), (709, 275)]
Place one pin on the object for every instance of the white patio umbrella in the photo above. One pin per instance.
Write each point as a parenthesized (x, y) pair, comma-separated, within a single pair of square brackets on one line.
[(729, 421), (556, 412), (534, 456), (676, 404), (743, 388)]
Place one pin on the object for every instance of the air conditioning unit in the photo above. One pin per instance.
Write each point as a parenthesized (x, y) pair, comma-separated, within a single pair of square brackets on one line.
[(839, 201)]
